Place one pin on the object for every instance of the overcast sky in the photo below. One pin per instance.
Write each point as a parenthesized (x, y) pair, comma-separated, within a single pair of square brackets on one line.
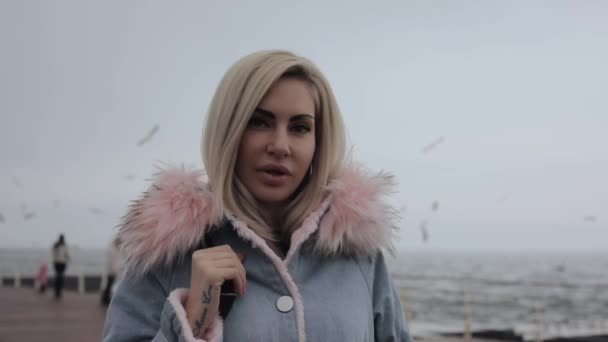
[(517, 89)]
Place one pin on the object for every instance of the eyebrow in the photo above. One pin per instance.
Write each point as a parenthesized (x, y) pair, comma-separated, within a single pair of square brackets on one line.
[(271, 115)]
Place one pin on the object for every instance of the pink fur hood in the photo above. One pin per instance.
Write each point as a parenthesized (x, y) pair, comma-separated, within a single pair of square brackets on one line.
[(173, 216)]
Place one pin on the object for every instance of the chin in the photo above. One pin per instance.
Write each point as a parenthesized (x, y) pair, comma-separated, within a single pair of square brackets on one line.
[(275, 196), (272, 199)]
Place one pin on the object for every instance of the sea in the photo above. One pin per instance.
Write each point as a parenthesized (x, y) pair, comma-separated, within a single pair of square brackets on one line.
[(546, 295)]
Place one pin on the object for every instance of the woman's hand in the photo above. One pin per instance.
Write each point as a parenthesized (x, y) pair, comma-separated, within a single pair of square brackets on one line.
[(210, 268)]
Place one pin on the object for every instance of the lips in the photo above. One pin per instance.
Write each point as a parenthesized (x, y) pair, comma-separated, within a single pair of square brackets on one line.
[(275, 169), (273, 175)]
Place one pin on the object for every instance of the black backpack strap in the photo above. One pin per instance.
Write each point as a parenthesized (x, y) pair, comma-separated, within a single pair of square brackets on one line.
[(227, 293)]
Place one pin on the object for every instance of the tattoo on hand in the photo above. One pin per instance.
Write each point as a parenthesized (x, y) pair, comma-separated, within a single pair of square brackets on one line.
[(207, 296), (197, 330), (199, 324), (204, 315)]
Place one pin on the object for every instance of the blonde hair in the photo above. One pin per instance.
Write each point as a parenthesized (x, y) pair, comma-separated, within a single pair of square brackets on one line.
[(238, 94)]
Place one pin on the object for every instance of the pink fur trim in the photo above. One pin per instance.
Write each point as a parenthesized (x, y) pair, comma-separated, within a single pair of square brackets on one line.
[(173, 216), (178, 299), (309, 226), (166, 221), (359, 221)]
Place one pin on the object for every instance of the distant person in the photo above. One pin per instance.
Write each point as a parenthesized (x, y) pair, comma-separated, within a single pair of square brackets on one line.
[(282, 240), (113, 269), (42, 278), (61, 257)]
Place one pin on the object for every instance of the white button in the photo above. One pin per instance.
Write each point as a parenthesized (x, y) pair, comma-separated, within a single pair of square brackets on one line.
[(285, 303)]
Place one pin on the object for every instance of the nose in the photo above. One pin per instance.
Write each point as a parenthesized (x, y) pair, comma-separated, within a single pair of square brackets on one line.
[(278, 146)]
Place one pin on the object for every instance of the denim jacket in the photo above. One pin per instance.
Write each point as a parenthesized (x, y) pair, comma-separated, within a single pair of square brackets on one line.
[(333, 284)]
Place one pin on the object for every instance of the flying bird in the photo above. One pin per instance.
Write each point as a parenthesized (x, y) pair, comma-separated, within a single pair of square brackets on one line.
[(96, 211), (148, 136), (590, 218), (27, 214), (435, 205), (428, 148)]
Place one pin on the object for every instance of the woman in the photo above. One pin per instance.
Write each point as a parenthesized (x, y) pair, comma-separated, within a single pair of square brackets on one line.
[(60, 262), (281, 242)]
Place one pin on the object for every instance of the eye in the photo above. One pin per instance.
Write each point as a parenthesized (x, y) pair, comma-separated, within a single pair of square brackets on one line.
[(301, 128), (257, 122)]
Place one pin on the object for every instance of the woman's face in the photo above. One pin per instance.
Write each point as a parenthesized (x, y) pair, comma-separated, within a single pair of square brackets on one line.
[(278, 145)]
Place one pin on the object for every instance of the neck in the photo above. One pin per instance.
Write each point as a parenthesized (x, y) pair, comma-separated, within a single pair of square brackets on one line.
[(271, 214)]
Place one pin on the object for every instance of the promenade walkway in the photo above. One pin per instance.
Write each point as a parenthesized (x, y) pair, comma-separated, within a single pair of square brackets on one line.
[(27, 316)]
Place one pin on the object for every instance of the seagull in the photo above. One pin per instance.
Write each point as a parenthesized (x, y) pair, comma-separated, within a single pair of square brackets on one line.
[(435, 205), (96, 211), (590, 218), (148, 136), (428, 148)]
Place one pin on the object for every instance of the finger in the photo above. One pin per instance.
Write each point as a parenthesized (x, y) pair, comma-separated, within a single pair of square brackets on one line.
[(219, 254), (242, 272), (243, 275), (234, 274), (241, 283), (215, 250), (225, 248), (240, 280), (224, 263), (211, 259)]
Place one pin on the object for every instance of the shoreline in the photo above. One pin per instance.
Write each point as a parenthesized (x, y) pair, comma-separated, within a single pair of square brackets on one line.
[(510, 335), (565, 333), (93, 284)]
